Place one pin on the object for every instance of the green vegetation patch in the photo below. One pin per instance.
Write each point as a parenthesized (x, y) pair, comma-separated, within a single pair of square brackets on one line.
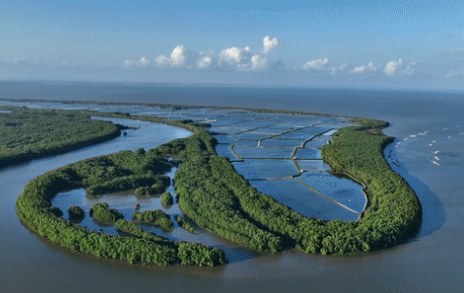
[(188, 253), (101, 212), (157, 218), (133, 229), (186, 225), (76, 213), (166, 199), (34, 133), (198, 254)]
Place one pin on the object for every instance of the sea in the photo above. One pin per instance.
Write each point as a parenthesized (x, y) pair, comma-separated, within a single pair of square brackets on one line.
[(428, 153)]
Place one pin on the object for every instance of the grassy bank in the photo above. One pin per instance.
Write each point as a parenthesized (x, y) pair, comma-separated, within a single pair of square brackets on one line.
[(29, 134)]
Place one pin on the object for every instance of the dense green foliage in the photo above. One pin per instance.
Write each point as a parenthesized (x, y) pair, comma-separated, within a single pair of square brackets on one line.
[(101, 212), (166, 199), (33, 133), (186, 225), (56, 211), (157, 218), (76, 213), (133, 229), (198, 254), (188, 253)]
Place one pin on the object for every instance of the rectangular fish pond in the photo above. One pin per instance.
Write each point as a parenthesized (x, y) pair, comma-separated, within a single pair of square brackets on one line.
[(263, 153), (312, 165), (288, 143), (314, 154), (265, 169), (342, 190), (225, 150), (303, 200)]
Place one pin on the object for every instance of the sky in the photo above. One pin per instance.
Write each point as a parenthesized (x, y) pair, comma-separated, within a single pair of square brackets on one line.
[(389, 44)]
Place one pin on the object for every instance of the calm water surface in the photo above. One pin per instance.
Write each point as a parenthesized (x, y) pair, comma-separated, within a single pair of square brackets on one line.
[(431, 262)]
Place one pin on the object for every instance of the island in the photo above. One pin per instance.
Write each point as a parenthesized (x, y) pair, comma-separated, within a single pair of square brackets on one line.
[(216, 198)]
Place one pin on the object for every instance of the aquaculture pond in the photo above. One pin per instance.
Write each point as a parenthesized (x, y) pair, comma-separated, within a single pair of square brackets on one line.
[(308, 154), (265, 169), (252, 135), (225, 150), (295, 135), (339, 189), (288, 143), (315, 144), (303, 200), (260, 152), (312, 165)]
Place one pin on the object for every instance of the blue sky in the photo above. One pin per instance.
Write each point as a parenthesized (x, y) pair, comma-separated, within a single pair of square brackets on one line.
[(360, 44)]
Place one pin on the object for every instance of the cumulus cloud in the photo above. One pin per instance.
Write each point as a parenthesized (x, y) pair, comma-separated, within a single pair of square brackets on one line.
[(269, 44), (392, 67), (340, 68), (316, 64), (234, 54), (205, 62), (139, 63), (162, 60), (233, 58), (365, 68), (180, 57), (258, 62)]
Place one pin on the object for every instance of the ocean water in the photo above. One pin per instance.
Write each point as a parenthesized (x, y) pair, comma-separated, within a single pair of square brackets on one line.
[(432, 163)]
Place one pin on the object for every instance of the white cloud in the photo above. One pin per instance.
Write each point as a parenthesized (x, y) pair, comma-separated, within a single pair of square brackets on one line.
[(269, 44), (233, 58), (393, 66), (364, 68), (316, 64), (258, 62), (143, 62), (162, 60), (205, 62), (234, 54), (178, 56), (341, 67)]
